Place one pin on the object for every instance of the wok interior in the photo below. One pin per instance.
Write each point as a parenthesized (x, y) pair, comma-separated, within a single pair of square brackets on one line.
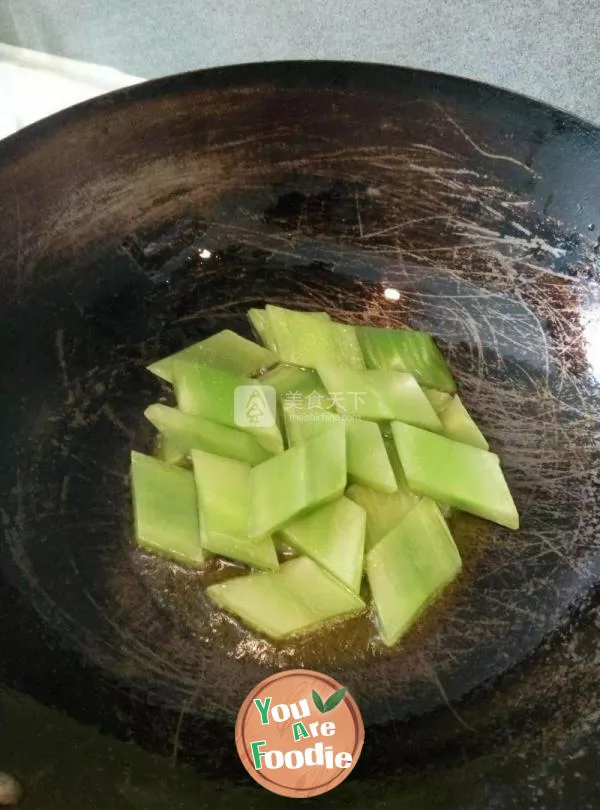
[(321, 202)]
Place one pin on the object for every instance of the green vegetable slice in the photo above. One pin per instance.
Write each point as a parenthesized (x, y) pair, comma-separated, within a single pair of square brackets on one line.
[(262, 327), (308, 411), (165, 509), (409, 567), (401, 478), (300, 479), (456, 474), (334, 537), (378, 395), (459, 425), (261, 323), (347, 345), (225, 351), (211, 394), (170, 452), (438, 399), (306, 408), (299, 597), (384, 511), (193, 432), (223, 487), (406, 350), (368, 461), (285, 379), (303, 339)]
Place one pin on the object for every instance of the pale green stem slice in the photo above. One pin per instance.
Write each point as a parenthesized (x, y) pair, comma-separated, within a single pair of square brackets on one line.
[(225, 351), (438, 399), (334, 537), (213, 394), (188, 432), (406, 350), (459, 425), (223, 487), (409, 567), (378, 395), (348, 347), (300, 479), (300, 597), (165, 510), (384, 511), (455, 473), (303, 339), (261, 324)]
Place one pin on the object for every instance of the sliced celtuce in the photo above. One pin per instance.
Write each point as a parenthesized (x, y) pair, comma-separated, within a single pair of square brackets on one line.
[(459, 425), (225, 351), (306, 408), (303, 339), (384, 511), (309, 412), (262, 326), (368, 462), (211, 394), (334, 537), (261, 323), (378, 395), (223, 487), (401, 478), (409, 567), (456, 474), (170, 452), (300, 479), (299, 597), (406, 350), (188, 432), (165, 509), (438, 399), (346, 341), (288, 379)]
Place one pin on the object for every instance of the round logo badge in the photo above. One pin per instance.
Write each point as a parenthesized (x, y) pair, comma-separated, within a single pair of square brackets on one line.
[(299, 733)]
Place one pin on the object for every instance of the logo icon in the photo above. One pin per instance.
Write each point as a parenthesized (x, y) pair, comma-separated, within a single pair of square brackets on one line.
[(299, 733), (254, 406)]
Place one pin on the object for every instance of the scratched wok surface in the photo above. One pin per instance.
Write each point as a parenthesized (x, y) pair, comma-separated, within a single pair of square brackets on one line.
[(145, 220)]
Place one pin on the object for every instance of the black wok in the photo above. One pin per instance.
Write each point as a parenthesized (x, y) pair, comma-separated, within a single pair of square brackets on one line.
[(315, 185)]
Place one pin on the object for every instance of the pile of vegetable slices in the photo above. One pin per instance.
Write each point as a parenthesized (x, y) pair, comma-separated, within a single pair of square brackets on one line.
[(326, 453)]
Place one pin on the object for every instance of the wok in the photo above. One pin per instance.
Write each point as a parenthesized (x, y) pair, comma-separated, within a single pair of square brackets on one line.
[(146, 219)]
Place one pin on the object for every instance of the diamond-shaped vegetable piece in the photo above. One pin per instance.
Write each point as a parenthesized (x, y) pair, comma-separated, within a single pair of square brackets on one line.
[(165, 509), (378, 395), (300, 479), (455, 473), (225, 351), (223, 487), (409, 567), (406, 350), (297, 598), (334, 537)]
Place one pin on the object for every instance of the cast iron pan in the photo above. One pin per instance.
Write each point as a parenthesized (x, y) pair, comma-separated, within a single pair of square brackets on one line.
[(314, 185)]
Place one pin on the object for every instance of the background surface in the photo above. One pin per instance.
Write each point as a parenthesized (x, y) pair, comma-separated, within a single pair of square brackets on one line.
[(546, 48)]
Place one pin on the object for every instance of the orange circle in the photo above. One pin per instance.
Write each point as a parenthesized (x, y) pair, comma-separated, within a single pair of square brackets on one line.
[(290, 746)]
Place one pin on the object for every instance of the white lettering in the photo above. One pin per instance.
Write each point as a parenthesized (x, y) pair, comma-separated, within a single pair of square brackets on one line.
[(280, 713), (343, 760), (274, 760), (294, 760), (303, 710), (314, 756)]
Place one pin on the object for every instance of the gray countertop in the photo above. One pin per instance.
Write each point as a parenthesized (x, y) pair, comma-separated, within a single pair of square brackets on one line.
[(546, 48)]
